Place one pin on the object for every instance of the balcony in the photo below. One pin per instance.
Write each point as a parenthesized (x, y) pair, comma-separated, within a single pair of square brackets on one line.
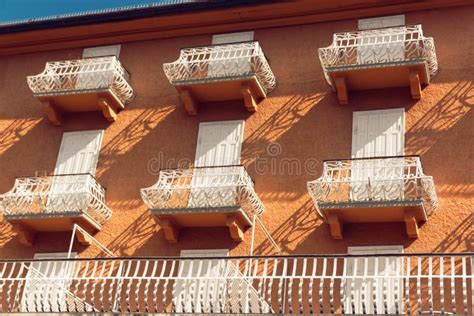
[(55, 203), (323, 284), (379, 58), (83, 85), (221, 73), (203, 197), (384, 189)]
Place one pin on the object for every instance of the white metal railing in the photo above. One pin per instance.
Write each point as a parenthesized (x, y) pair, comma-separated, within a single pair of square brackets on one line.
[(220, 62), (202, 188), (380, 179), (57, 194), (74, 76), (378, 47), (324, 284)]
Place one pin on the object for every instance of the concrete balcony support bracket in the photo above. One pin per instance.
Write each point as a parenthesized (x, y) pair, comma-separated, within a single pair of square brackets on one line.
[(236, 228), (415, 85), (335, 226), (189, 102), (170, 229), (53, 114), (411, 224), (341, 88), (250, 99), (108, 110)]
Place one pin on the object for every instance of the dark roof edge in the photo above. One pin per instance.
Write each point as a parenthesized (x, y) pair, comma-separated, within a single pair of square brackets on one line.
[(124, 14)]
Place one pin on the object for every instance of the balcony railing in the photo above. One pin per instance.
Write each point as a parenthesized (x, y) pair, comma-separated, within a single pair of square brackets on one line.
[(203, 188), (58, 195), (390, 180), (379, 48), (83, 75), (221, 62), (353, 284)]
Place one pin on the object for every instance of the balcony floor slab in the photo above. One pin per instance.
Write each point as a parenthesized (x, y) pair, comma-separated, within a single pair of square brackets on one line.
[(81, 101), (409, 212), (380, 76), (220, 89), (233, 217), (30, 224)]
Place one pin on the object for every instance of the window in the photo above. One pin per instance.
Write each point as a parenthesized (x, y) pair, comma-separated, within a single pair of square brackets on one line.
[(231, 61), (232, 38), (47, 283), (78, 156), (379, 22), (101, 51), (200, 295), (367, 278), (219, 144), (378, 133)]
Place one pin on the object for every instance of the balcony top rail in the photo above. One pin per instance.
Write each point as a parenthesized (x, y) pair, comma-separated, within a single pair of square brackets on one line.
[(220, 62), (360, 284), (379, 47), (203, 187), (378, 179), (86, 74), (55, 195)]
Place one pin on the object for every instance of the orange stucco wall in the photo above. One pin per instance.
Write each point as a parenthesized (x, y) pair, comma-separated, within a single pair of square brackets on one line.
[(301, 115)]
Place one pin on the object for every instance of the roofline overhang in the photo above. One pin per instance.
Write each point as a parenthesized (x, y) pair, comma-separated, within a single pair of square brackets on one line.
[(195, 18)]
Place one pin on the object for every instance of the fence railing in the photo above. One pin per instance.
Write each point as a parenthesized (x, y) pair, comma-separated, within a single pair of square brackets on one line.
[(377, 47), (79, 75), (379, 179), (203, 187), (56, 195), (368, 284), (221, 62)]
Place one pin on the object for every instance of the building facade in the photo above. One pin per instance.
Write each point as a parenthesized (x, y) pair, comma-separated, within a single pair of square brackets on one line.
[(321, 151)]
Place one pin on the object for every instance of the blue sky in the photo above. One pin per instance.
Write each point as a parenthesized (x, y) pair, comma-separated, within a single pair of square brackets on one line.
[(11, 10)]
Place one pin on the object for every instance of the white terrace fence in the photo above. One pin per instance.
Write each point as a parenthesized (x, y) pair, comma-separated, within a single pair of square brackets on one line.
[(56, 195), (89, 74), (221, 61), (411, 283), (372, 180), (379, 47), (203, 187)]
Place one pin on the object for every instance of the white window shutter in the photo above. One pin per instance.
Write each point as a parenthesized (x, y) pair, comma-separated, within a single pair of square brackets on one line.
[(232, 38), (198, 293), (380, 22), (378, 133), (219, 144), (101, 51), (79, 152)]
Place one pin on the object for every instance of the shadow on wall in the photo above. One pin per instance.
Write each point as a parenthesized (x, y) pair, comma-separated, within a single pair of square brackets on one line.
[(6, 232), (460, 237), (289, 113), (297, 227), (14, 131), (447, 112), (130, 136), (305, 233), (134, 236)]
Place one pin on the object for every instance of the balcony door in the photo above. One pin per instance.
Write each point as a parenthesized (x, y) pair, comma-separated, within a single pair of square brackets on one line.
[(97, 75), (47, 283), (198, 288), (227, 62), (377, 133), (78, 156), (369, 277), (381, 40), (219, 144)]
